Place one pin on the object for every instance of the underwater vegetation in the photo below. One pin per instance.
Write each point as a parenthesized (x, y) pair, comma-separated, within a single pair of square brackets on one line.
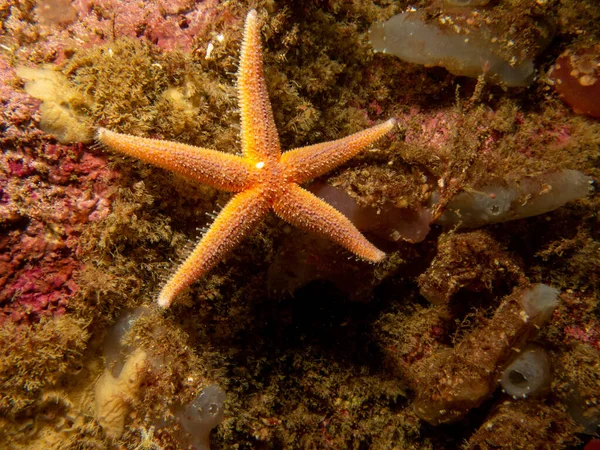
[(480, 329)]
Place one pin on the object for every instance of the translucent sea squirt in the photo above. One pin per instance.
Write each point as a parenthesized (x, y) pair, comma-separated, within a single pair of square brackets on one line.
[(408, 37)]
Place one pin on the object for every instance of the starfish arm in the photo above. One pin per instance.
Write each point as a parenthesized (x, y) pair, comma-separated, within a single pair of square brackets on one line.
[(220, 170), (259, 134), (302, 209), (238, 218), (305, 163)]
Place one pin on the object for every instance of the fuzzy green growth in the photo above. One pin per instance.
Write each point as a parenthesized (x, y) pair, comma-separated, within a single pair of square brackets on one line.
[(36, 359)]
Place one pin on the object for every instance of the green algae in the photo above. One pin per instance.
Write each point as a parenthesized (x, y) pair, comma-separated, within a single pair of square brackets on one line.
[(38, 358)]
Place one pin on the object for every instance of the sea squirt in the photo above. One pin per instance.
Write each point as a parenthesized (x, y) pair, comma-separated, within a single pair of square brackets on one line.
[(127, 366), (528, 374), (502, 201), (451, 382), (121, 381), (201, 415), (410, 38)]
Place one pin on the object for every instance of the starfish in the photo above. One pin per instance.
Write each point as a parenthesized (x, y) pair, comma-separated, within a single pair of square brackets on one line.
[(262, 177)]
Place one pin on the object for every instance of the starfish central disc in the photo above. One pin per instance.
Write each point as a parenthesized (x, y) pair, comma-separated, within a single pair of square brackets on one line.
[(262, 178)]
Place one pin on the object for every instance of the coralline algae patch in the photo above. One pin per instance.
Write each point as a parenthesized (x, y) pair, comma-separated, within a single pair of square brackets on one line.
[(56, 27), (48, 192), (18, 109), (46, 199)]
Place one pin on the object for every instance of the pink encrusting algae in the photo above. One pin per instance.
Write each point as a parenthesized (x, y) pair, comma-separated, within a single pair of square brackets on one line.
[(48, 192), (46, 201), (58, 26)]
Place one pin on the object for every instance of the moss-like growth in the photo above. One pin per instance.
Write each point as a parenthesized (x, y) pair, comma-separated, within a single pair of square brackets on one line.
[(525, 425), (136, 89), (36, 359), (474, 261)]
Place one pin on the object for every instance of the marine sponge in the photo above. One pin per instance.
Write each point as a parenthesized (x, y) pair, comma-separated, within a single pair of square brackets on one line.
[(62, 109), (113, 395)]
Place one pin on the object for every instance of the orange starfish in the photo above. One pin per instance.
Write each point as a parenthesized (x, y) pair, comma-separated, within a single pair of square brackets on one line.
[(263, 177)]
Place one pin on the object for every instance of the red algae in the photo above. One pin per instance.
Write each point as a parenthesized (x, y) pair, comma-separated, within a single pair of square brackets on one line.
[(576, 78), (48, 193), (62, 26), (65, 188), (19, 111)]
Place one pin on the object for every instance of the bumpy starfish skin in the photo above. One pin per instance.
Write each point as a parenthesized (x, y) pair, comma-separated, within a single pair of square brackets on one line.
[(263, 178)]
